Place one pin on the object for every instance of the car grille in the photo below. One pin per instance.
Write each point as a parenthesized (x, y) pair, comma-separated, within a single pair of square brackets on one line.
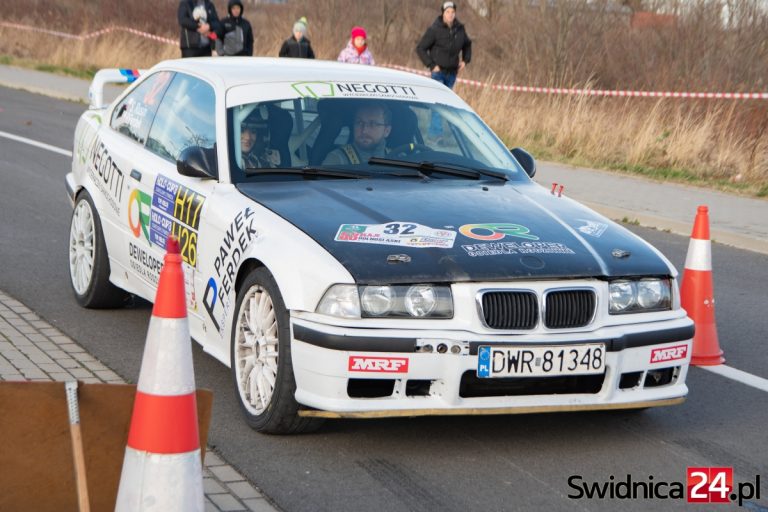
[(510, 310), (519, 310), (569, 308)]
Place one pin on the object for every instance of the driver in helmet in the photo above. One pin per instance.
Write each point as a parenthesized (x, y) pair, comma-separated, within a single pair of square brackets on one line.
[(254, 146), (370, 130)]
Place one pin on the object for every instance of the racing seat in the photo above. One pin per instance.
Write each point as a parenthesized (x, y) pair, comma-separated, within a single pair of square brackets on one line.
[(405, 127), (332, 120), (280, 127)]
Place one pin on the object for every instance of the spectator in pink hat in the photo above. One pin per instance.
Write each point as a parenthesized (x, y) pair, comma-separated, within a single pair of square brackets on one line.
[(357, 51)]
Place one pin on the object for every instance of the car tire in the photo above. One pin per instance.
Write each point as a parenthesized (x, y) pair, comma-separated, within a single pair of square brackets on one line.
[(89, 260), (260, 355)]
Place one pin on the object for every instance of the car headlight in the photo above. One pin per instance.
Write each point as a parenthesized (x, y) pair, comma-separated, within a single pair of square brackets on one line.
[(622, 296), (404, 301), (377, 300), (653, 293), (420, 300), (385, 301), (639, 296), (340, 300)]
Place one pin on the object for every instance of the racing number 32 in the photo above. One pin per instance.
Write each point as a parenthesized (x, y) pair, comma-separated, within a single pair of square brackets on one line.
[(395, 229)]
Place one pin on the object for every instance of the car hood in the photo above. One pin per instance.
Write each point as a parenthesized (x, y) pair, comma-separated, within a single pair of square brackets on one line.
[(431, 231)]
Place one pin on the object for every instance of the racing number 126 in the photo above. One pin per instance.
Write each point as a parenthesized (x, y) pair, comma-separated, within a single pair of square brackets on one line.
[(187, 241)]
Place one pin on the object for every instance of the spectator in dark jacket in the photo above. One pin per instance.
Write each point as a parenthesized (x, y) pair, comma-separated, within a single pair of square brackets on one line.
[(199, 27), (298, 46), (238, 35), (441, 45)]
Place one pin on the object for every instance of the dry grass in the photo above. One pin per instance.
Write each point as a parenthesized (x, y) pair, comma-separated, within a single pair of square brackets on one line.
[(722, 144), (705, 143)]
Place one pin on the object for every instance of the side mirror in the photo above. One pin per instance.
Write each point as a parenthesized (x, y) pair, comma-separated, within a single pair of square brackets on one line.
[(525, 160), (198, 162)]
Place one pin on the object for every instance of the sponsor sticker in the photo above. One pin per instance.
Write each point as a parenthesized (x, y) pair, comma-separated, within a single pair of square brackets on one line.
[(378, 364), (176, 211), (503, 248), (353, 89), (105, 173), (592, 228), (496, 231), (219, 290), (401, 234), (660, 355)]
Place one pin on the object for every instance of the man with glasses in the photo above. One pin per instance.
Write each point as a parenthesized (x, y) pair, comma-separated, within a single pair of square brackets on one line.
[(370, 130)]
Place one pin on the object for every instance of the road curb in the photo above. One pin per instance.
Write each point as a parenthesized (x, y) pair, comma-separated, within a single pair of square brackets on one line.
[(678, 227)]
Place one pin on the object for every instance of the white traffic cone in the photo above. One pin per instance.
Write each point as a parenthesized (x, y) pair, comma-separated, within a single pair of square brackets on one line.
[(162, 470)]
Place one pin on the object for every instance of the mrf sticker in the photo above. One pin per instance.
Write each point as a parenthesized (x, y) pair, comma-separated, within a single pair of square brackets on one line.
[(400, 234), (176, 211)]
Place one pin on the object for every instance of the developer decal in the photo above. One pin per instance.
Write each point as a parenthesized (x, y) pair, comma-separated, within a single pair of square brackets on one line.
[(105, 173), (218, 293), (402, 234), (144, 263), (502, 248), (176, 211)]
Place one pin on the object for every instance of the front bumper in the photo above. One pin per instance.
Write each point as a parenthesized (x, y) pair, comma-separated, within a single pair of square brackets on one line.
[(435, 383)]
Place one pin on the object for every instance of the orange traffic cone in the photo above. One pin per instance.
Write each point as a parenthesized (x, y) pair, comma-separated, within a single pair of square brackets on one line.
[(697, 295), (162, 469)]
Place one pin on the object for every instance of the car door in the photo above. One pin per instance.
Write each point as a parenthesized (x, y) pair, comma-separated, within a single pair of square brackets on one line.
[(185, 119), (119, 149)]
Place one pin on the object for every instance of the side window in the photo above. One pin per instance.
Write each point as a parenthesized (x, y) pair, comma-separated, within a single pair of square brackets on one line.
[(134, 114), (186, 118)]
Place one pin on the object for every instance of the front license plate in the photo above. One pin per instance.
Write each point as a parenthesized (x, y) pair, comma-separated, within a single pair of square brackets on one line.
[(540, 361)]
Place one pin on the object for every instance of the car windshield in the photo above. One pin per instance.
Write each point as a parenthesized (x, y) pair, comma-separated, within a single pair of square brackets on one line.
[(353, 137)]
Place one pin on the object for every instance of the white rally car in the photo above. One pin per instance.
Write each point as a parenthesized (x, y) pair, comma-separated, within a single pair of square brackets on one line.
[(358, 243)]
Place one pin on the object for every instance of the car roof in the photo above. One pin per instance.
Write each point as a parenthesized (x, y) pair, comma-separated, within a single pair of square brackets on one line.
[(234, 71)]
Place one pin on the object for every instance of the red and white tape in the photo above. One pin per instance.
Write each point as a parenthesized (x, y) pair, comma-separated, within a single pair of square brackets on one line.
[(598, 92), (89, 35), (475, 83)]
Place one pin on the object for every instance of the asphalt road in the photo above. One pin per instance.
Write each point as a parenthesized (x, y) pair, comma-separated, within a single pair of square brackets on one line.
[(424, 464)]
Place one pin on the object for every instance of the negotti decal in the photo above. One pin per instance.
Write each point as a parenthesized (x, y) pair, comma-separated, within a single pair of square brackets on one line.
[(176, 211), (218, 291), (353, 89), (105, 173), (496, 231), (401, 234), (503, 248)]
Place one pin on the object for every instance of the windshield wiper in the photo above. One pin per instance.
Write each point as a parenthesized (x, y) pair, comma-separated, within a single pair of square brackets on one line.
[(429, 167), (309, 171)]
